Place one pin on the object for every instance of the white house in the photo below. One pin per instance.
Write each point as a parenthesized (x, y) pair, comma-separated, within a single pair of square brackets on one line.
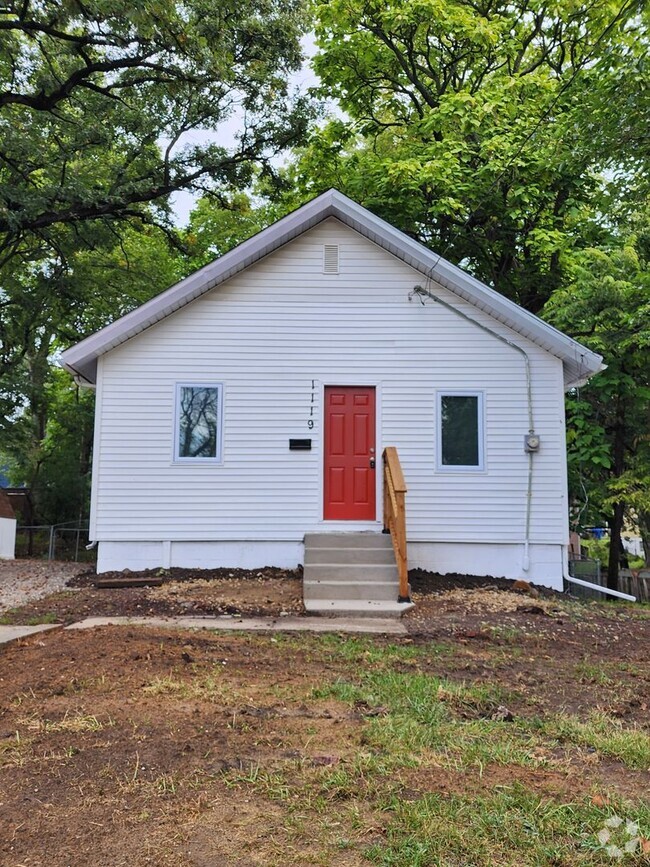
[(7, 528), (249, 405)]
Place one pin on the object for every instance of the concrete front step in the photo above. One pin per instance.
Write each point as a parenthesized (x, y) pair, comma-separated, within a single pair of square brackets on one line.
[(370, 591), (348, 574), (351, 574), (349, 556), (347, 608), (348, 540)]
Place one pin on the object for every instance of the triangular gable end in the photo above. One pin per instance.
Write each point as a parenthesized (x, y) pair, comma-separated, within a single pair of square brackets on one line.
[(579, 362)]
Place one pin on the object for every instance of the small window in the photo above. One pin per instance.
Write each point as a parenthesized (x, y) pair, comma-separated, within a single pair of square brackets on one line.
[(460, 431), (198, 422)]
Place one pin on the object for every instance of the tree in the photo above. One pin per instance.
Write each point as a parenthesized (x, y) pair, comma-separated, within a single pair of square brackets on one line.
[(46, 430), (99, 101), (464, 122), (106, 108), (606, 305), (214, 229), (58, 466), (633, 488), (511, 138), (46, 422)]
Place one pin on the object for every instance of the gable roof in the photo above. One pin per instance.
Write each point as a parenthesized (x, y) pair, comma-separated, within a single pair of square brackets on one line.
[(579, 362)]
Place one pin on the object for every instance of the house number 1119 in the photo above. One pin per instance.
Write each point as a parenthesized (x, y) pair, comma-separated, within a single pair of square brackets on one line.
[(310, 421)]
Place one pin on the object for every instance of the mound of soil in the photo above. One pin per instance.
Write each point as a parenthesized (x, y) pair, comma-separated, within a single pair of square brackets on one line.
[(183, 592), (431, 584), (178, 575)]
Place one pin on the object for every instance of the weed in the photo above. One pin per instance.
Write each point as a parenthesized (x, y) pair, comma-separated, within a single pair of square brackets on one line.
[(211, 687), (593, 674), (273, 784), (13, 750), (73, 723), (166, 784), (505, 634), (628, 668)]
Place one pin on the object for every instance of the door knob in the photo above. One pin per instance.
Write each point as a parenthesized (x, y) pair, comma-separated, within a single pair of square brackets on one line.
[(372, 463)]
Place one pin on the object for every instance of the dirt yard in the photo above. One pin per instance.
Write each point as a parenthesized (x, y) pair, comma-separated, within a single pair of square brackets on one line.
[(507, 728)]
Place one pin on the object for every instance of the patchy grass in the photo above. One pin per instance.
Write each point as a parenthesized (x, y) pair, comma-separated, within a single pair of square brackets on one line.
[(510, 827), (73, 723), (593, 673), (417, 711), (210, 687), (419, 721), (13, 616), (505, 634), (362, 650), (181, 749), (607, 736)]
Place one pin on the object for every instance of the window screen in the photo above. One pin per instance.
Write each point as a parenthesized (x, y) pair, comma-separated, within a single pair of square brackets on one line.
[(199, 411), (460, 430)]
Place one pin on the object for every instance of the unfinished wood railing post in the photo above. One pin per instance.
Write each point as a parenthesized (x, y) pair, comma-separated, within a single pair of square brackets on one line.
[(395, 516)]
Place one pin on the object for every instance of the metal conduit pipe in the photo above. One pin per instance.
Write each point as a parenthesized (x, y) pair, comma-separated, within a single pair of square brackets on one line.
[(420, 291)]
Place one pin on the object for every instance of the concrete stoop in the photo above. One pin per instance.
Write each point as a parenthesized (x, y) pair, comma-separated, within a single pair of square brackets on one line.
[(351, 574)]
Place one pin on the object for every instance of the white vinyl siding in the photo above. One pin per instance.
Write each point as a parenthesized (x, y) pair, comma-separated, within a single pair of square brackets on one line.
[(275, 335)]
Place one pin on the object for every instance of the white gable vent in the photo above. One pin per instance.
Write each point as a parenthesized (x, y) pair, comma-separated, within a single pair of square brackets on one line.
[(330, 258)]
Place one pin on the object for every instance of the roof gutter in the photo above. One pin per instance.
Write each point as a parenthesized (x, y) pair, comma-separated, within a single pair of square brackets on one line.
[(78, 377)]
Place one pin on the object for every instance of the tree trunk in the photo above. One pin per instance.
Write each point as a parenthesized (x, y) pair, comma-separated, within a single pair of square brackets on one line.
[(38, 414)]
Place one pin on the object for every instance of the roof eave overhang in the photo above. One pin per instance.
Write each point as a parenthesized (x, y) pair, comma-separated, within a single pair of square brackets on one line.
[(580, 363)]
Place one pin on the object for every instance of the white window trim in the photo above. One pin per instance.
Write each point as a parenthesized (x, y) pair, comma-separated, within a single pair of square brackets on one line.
[(218, 458), (480, 411)]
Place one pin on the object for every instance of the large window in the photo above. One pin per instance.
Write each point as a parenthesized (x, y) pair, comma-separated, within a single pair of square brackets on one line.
[(460, 431), (198, 422)]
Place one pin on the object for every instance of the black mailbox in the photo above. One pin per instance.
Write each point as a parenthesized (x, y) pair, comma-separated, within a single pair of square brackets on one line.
[(300, 445)]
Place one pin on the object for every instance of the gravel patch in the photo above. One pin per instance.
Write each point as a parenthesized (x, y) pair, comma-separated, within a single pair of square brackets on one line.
[(23, 581)]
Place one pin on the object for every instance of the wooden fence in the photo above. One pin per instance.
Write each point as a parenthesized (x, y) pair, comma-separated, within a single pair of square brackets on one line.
[(636, 582)]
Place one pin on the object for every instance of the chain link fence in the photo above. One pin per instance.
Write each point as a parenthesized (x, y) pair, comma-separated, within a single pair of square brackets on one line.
[(586, 569), (55, 542)]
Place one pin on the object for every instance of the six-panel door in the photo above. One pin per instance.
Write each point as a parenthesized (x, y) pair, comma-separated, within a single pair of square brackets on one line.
[(350, 454)]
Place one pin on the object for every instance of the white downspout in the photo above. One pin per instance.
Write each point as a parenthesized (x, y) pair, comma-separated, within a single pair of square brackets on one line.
[(420, 291), (616, 593)]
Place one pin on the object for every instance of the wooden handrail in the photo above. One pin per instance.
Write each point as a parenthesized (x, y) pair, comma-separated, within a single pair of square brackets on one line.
[(395, 516)]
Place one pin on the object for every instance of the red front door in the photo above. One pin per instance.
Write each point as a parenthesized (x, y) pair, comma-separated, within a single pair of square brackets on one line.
[(350, 454)]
